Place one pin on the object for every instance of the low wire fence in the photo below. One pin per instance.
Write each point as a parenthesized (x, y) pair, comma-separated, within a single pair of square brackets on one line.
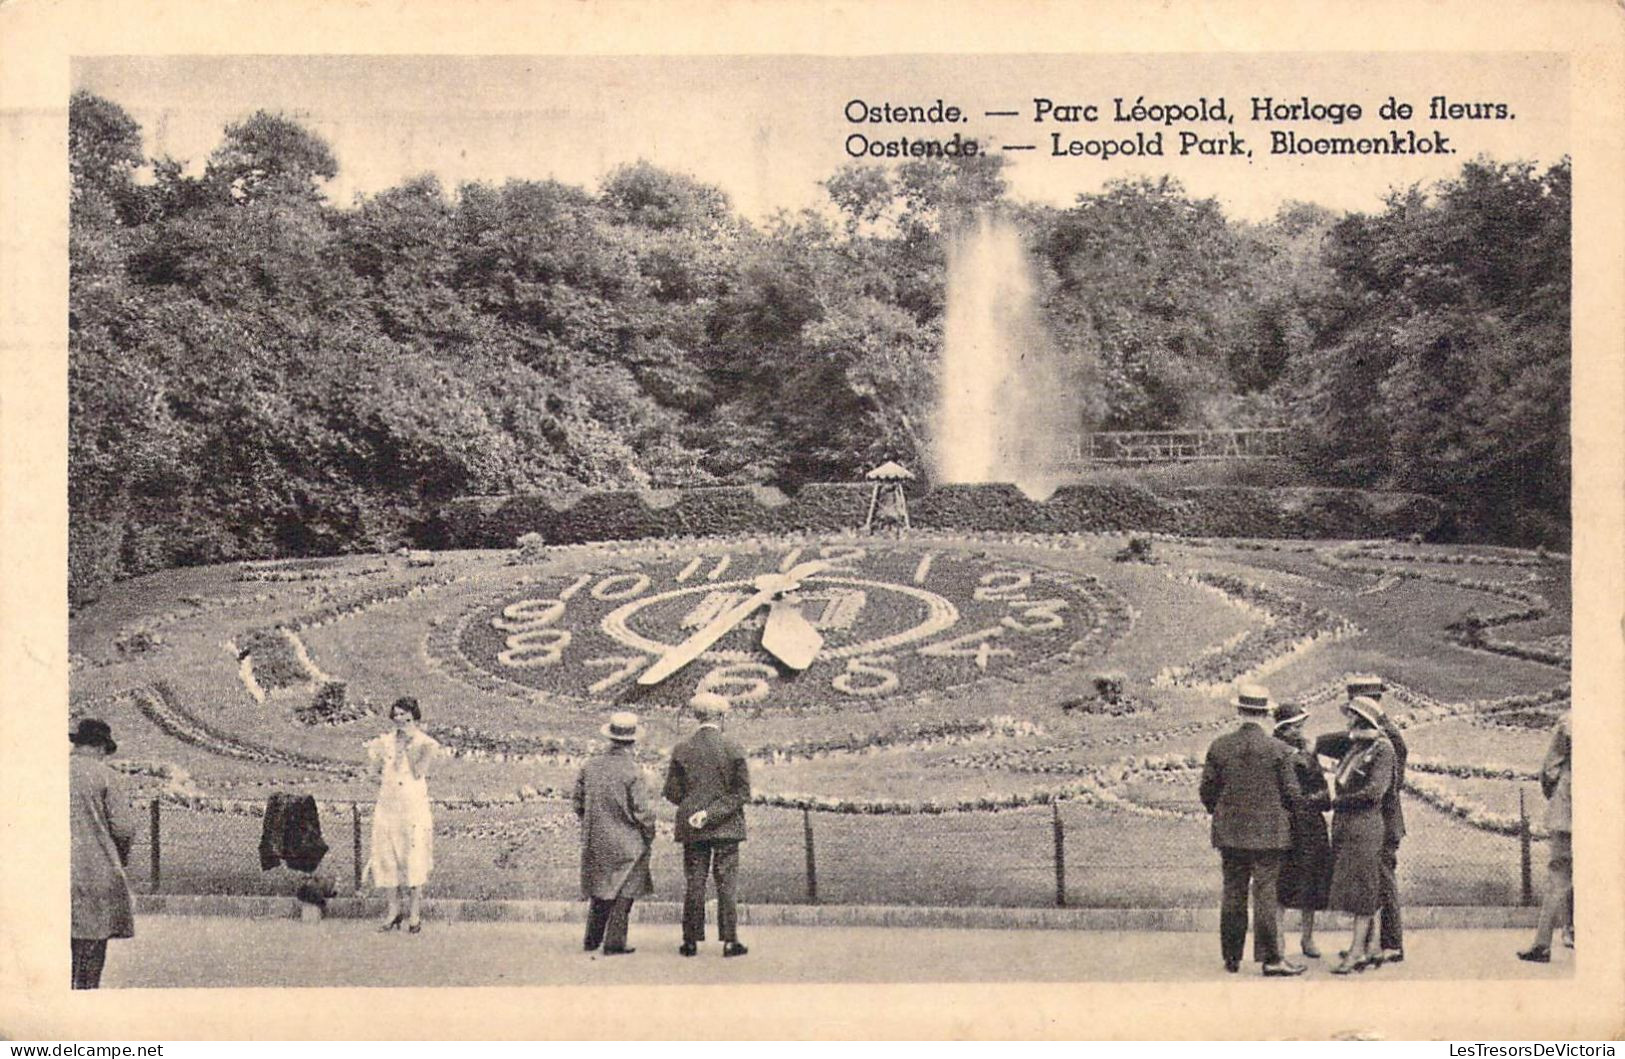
[(1067, 854)]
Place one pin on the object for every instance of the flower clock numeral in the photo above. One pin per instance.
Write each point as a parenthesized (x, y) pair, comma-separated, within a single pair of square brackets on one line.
[(865, 677), (741, 681), (959, 647)]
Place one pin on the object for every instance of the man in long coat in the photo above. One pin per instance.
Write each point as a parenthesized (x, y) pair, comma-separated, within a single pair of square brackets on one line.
[(100, 829), (617, 828), (1250, 788), (709, 782), (1334, 745)]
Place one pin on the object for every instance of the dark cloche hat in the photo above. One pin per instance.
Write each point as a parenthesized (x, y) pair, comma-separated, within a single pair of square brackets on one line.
[(93, 733), (1289, 713)]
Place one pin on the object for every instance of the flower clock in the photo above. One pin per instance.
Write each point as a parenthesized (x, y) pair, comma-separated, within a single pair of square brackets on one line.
[(794, 628)]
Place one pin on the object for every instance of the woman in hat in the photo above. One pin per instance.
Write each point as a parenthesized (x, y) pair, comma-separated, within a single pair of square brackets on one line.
[(1363, 776), (617, 831), (1306, 873), (402, 823), (101, 828)]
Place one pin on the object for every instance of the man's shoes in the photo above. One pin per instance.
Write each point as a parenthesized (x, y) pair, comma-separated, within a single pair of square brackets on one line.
[(689, 948), (733, 948), (619, 952), (1536, 954), (588, 946), (1283, 969), (1309, 950), (1232, 966), (1568, 937), (1393, 956)]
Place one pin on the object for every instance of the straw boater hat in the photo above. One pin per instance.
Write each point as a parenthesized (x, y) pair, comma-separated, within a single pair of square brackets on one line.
[(94, 733), (1366, 684), (708, 704), (1250, 698), (1366, 708), (1289, 713), (622, 727)]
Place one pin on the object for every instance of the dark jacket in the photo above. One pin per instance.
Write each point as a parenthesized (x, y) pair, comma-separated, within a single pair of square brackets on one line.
[(292, 833), (708, 771), (1336, 744), (1249, 786)]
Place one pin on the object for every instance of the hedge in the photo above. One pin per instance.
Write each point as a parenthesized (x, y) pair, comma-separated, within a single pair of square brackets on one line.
[(1229, 511)]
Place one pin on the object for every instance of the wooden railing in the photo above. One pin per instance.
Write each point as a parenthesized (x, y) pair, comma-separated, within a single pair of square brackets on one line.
[(1184, 446)]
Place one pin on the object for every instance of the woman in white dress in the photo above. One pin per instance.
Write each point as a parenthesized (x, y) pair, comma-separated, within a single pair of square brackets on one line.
[(402, 825)]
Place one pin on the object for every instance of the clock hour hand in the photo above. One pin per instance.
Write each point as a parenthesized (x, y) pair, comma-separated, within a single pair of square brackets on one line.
[(767, 587), (789, 636)]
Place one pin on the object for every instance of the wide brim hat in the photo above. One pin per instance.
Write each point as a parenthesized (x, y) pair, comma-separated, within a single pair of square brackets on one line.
[(1253, 699), (93, 733), (1367, 684), (622, 728), (1289, 713), (1366, 708)]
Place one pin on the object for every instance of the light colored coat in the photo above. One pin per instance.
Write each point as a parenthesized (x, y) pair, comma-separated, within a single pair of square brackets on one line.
[(100, 828), (1555, 778), (617, 826)]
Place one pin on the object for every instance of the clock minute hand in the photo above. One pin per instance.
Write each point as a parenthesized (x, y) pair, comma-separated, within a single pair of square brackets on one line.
[(767, 586)]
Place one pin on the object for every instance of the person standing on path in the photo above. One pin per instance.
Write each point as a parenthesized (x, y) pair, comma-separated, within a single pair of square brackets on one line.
[(617, 828), (100, 831), (1306, 874), (709, 782), (1556, 784), (1336, 745), (1251, 790), (402, 821), (1363, 777)]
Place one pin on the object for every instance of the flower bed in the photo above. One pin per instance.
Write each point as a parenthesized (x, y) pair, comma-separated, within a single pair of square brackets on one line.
[(1290, 628), (937, 733), (275, 659), (157, 703)]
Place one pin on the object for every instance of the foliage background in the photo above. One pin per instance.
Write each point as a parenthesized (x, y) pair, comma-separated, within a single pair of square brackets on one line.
[(256, 371)]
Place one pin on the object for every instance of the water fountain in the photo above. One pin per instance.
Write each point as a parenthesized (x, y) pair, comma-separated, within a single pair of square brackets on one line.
[(1007, 408)]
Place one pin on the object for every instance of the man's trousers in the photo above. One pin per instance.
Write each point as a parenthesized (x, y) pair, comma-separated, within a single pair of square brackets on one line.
[(701, 859), (1262, 868), (607, 921)]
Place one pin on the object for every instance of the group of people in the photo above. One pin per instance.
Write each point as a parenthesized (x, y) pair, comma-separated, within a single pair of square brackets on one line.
[(708, 779), (1266, 791), (1268, 796)]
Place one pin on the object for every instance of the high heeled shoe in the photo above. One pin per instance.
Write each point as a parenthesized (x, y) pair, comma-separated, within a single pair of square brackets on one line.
[(392, 924)]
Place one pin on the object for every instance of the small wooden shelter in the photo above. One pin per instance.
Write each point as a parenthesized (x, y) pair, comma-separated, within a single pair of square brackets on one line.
[(887, 499)]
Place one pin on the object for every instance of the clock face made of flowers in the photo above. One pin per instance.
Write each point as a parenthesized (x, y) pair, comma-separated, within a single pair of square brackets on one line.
[(843, 625)]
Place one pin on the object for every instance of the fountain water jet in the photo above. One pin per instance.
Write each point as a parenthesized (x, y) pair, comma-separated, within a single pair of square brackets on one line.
[(1007, 405)]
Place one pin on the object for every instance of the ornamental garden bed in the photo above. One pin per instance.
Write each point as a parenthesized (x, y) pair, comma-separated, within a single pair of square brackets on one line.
[(908, 788)]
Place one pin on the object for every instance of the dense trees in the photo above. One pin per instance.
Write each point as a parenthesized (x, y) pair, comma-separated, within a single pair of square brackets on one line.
[(256, 371)]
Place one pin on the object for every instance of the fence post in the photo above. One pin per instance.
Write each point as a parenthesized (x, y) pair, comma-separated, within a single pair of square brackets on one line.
[(355, 842), (1060, 855), (812, 862), (155, 813), (1525, 868)]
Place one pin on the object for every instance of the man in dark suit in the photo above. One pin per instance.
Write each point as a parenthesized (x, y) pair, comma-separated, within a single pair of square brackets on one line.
[(709, 782), (1249, 787), (1334, 745)]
